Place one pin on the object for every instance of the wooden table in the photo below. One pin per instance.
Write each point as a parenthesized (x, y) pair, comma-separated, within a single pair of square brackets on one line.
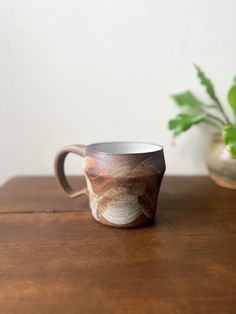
[(55, 258)]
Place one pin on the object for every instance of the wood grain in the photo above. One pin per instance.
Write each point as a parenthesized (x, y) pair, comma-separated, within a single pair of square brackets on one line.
[(55, 258)]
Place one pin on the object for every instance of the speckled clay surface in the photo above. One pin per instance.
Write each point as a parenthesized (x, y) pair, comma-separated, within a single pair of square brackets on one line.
[(123, 188)]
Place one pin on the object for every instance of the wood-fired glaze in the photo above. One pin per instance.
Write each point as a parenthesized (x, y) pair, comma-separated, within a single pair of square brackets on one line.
[(123, 188)]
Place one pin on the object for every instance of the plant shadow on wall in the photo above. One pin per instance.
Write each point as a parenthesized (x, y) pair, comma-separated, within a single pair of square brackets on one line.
[(220, 156)]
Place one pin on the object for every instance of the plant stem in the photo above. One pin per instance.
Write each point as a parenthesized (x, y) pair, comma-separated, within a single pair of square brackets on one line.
[(221, 109), (210, 106), (217, 126), (222, 123)]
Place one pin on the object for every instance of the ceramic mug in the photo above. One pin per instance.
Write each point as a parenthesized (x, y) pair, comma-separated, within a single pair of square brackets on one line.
[(123, 180)]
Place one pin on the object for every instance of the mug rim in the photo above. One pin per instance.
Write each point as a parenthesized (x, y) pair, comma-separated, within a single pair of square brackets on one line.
[(159, 148)]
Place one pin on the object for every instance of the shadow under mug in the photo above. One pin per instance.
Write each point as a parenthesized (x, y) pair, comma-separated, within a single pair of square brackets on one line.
[(123, 180)]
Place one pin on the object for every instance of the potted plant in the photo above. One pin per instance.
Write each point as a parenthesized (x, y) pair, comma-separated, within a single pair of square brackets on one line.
[(220, 156)]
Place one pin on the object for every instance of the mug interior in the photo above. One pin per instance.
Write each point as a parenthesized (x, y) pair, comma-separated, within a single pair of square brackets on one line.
[(124, 147)]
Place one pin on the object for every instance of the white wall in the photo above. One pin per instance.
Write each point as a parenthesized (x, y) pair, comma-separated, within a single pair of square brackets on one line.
[(85, 71)]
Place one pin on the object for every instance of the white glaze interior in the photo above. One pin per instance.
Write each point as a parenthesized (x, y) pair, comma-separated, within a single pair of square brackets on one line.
[(124, 147)]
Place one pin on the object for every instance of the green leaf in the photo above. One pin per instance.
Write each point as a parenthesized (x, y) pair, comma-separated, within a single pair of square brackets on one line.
[(205, 81), (183, 122), (232, 98), (187, 100), (229, 135)]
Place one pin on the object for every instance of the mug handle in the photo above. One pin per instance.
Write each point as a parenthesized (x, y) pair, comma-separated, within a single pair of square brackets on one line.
[(60, 172)]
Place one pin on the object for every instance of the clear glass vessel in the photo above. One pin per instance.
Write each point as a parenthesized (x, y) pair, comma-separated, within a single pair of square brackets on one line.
[(221, 165)]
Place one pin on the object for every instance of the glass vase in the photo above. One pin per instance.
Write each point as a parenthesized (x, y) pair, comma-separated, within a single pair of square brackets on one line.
[(221, 165)]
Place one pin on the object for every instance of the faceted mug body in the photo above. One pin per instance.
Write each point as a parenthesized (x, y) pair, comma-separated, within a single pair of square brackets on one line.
[(123, 182)]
